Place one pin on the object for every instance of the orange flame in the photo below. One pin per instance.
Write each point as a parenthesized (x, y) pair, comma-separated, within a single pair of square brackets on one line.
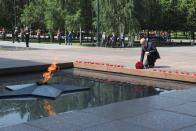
[(47, 75), (48, 108), (53, 67)]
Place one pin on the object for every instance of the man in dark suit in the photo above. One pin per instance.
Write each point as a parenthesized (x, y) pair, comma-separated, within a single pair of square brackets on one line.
[(3, 33), (70, 36), (148, 48), (15, 35), (122, 40), (27, 35), (113, 39)]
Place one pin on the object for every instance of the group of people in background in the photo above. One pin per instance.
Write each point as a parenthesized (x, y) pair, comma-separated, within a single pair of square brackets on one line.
[(111, 40), (3, 33), (67, 37), (24, 35)]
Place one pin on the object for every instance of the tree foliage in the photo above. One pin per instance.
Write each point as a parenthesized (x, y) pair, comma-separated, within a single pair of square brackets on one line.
[(10, 12), (127, 16)]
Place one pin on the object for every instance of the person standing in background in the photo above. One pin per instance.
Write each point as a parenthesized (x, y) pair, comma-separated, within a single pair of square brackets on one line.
[(113, 40), (27, 34), (3, 34), (15, 35), (103, 39), (70, 38), (122, 40), (22, 34), (59, 36), (38, 35)]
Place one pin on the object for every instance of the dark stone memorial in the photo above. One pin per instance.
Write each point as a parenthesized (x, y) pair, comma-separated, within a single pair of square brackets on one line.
[(41, 88)]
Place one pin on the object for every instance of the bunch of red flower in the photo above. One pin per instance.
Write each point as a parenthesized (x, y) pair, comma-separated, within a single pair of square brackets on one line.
[(139, 65)]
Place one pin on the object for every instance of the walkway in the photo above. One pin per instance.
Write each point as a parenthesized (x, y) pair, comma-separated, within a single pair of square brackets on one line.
[(14, 55)]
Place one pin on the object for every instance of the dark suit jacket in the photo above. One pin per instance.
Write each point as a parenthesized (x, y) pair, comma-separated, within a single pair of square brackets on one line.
[(151, 48)]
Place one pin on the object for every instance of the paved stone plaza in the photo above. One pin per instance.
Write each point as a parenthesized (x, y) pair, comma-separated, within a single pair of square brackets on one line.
[(14, 55), (166, 112)]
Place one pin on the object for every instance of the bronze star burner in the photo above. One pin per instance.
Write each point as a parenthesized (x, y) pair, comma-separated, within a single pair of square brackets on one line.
[(48, 91)]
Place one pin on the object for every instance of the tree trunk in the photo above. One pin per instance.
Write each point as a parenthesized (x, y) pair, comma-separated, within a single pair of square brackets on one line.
[(51, 37), (131, 40), (80, 36), (192, 37), (169, 36)]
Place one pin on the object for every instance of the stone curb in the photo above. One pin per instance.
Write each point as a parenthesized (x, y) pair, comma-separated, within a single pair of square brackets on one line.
[(35, 68)]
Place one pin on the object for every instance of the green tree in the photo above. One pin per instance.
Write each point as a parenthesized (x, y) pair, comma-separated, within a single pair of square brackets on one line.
[(72, 15), (10, 12), (173, 17), (117, 16), (189, 6), (86, 16), (53, 16)]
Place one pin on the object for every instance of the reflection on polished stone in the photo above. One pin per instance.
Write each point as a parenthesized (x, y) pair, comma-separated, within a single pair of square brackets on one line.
[(49, 91)]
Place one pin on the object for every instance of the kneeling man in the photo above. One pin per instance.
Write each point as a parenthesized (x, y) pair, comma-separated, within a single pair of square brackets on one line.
[(148, 48)]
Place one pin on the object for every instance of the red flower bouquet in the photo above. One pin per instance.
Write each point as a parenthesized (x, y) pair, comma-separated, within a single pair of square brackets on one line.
[(139, 65)]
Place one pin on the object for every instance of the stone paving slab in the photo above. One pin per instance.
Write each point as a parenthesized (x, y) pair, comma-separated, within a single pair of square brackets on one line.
[(186, 109), (154, 102), (117, 126), (189, 128), (162, 120), (21, 127), (68, 121)]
